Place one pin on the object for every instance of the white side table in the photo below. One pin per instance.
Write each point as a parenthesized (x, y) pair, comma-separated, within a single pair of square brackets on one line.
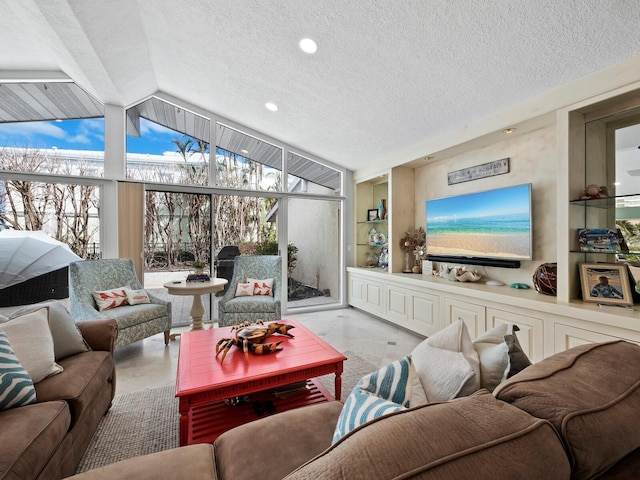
[(196, 289)]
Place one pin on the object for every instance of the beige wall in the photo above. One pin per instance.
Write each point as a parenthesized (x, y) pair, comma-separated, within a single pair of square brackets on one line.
[(533, 159)]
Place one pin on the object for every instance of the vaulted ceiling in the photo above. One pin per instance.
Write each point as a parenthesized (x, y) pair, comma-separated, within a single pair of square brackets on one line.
[(388, 76)]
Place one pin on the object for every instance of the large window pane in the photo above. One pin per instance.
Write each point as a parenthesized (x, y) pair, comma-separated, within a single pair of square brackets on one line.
[(65, 147), (171, 157), (177, 234), (66, 212), (314, 233), (248, 222), (303, 171), (244, 162)]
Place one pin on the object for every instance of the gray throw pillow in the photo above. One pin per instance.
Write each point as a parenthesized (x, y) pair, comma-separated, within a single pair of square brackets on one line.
[(67, 339), (518, 359)]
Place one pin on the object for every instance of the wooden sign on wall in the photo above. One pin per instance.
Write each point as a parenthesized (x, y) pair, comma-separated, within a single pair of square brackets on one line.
[(498, 167)]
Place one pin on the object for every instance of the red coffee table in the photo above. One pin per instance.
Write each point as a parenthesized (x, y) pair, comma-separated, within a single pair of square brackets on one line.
[(203, 382)]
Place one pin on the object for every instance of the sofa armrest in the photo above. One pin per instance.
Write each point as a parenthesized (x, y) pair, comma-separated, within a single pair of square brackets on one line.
[(276, 445), (99, 334)]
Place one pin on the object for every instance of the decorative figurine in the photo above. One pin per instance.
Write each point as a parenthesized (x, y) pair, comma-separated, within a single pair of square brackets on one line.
[(595, 191)]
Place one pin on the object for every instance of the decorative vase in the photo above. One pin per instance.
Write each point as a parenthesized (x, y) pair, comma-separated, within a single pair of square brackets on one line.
[(382, 209), (545, 279)]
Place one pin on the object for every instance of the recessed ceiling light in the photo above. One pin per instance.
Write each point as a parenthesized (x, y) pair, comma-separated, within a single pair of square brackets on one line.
[(244, 151), (308, 46), (509, 130), (271, 106)]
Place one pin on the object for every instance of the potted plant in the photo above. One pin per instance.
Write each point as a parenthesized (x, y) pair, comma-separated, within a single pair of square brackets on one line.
[(198, 267)]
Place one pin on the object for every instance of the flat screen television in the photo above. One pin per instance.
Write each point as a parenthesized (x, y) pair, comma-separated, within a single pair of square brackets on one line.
[(488, 227)]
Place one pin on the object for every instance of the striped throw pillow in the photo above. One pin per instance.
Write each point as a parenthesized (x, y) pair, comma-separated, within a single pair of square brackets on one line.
[(16, 387), (382, 392)]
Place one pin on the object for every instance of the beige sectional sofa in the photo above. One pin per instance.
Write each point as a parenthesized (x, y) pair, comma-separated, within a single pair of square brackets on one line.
[(46, 440), (575, 415)]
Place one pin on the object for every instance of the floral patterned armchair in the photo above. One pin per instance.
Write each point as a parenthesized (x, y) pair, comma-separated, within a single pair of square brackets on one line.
[(135, 322), (233, 310)]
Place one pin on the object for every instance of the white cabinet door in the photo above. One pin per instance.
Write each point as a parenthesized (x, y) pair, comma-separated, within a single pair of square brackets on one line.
[(413, 309), (530, 335), (357, 291), (366, 294), (424, 313), (397, 299), (566, 337), (473, 315), (374, 297)]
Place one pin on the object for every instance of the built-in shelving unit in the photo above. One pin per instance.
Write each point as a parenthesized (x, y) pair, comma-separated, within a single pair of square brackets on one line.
[(372, 236), (548, 324)]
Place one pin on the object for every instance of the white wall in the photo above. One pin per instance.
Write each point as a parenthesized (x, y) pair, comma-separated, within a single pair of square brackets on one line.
[(314, 227)]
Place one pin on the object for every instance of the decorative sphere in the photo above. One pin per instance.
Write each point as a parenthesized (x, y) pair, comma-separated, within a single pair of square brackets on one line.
[(545, 279)]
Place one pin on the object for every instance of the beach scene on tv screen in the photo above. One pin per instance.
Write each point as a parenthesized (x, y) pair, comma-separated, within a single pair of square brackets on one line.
[(493, 224)]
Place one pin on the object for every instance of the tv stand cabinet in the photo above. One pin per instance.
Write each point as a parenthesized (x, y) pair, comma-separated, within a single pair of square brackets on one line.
[(426, 304)]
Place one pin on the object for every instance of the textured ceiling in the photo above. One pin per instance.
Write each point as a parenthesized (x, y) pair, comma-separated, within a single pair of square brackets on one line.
[(387, 77)]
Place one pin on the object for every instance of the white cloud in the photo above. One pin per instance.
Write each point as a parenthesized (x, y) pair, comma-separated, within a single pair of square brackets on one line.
[(32, 129), (147, 127)]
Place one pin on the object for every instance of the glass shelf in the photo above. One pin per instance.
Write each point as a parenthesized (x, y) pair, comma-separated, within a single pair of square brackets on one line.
[(605, 202), (629, 252), (373, 221)]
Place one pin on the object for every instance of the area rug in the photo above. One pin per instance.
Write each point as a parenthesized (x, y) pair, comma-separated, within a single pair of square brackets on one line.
[(146, 422)]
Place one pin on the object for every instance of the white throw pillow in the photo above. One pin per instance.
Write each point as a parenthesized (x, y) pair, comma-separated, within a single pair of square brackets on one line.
[(493, 353), (244, 290), (262, 287), (107, 299), (32, 342), (447, 364), (67, 339), (136, 297)]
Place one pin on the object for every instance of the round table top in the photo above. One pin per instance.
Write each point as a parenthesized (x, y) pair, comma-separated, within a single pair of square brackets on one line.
[(195, 288)]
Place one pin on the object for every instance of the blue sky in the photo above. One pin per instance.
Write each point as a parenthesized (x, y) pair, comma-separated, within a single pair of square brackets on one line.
[(502, 201), (85, 134)]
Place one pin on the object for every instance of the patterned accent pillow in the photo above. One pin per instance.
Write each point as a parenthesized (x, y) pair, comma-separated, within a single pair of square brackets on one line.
[(136, 297), (107, 299), (244, 290), (382, 392), (262, 287), (16, 387)]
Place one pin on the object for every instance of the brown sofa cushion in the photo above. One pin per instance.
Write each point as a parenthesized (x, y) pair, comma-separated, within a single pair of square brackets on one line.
[(297, 435), (84, 375), (194, 462), (29, 436), (591, 394), (471, 437)]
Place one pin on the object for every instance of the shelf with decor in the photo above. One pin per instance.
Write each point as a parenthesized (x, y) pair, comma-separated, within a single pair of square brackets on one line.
[(607, 241), (372, 223), (607, 202)]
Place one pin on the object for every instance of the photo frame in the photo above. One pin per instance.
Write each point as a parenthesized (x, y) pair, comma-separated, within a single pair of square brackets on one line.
[(605, 283), (372, 215)]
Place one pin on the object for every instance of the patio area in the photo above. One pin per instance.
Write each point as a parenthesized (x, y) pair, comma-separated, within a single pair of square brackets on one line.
[(180, 304)]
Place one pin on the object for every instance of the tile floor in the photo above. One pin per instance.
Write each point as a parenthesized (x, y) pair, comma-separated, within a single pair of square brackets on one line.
[(149, 363)]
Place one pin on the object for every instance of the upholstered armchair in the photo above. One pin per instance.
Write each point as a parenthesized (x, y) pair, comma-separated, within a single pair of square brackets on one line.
[(234, 309), (135, 322)]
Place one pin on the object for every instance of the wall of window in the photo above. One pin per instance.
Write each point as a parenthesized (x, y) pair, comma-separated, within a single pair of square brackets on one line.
[(167, 142)]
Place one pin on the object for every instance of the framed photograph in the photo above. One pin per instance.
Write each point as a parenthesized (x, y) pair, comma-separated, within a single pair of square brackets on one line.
[(606, 283), (372, 215)]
